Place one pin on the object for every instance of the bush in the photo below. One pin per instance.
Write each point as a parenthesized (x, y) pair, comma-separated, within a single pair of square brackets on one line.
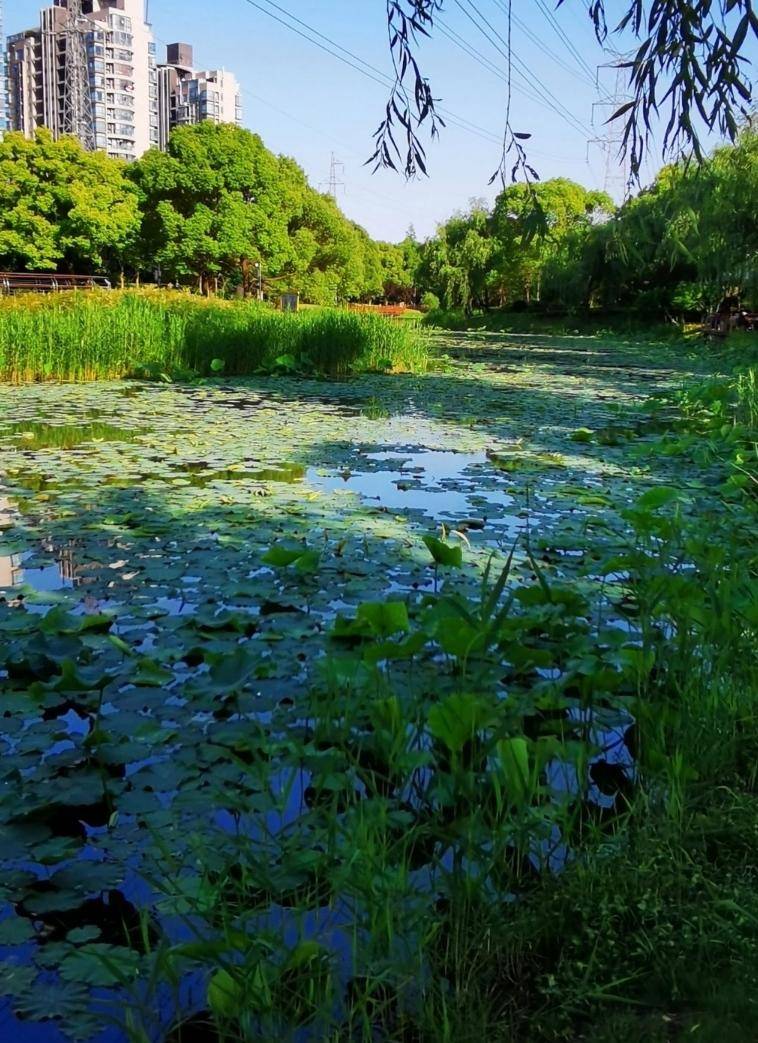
[(430, 301)]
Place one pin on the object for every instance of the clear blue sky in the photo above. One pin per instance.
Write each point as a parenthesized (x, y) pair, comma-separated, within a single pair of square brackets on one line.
[(307, 104)]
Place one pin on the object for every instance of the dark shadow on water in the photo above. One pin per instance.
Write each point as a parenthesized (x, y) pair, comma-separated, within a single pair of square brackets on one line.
[(182, 737)]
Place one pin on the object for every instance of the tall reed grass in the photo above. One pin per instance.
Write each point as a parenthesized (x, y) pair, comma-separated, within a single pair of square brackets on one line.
[(86, 336)]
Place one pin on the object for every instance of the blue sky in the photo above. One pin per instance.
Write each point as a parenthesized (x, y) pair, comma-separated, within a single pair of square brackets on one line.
[(307, 104)]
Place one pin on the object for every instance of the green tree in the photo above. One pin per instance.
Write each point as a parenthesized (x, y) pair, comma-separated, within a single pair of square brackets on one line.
[(683, 242), (64, 209), (213, 205), (535, 227), (456, 263)]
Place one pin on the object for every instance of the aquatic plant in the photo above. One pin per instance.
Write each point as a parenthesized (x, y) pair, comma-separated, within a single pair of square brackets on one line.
[(510, 797), (94, 335)]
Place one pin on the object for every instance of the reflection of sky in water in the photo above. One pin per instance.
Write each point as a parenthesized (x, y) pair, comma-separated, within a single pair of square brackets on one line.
[(436, 483), (13, 573)]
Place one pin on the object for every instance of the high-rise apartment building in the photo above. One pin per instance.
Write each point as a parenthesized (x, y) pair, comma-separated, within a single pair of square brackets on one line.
[(121, 70), (3, 78), (24, 56), (187, 95), (135, 104)]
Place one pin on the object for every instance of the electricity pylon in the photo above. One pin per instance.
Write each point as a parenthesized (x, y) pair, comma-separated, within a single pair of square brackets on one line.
[(78, 119), (335, 183), (616, 175)]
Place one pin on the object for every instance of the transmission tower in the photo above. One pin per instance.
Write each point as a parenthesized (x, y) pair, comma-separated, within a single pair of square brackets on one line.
[(335, 183), (616, 175), (3, 75), (77, 100)]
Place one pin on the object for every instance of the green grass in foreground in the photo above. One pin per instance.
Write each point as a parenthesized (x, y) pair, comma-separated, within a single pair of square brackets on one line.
[(86, 336)]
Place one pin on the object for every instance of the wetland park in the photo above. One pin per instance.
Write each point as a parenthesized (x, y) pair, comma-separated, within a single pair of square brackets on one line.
[(371, 679)]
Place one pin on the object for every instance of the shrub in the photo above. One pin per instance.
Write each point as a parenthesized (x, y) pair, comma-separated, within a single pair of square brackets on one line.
[(430, 301)]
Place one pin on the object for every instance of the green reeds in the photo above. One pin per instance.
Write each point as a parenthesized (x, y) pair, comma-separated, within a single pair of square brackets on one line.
[(88, 336)]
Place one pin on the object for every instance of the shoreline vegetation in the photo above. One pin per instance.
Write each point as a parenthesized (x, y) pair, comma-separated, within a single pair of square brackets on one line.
[(101, 335), (294, 753), (476, 904)]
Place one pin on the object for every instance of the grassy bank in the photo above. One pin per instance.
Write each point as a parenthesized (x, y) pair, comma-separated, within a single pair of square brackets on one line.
[(631, 326), (86, 336)]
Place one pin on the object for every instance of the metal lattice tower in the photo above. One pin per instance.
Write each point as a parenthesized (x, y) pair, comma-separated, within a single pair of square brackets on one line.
[(617, 175), (335, 183), (3, 75), (78, 119)]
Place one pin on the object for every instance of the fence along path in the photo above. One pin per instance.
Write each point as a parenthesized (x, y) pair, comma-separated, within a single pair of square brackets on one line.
[(46, 282)]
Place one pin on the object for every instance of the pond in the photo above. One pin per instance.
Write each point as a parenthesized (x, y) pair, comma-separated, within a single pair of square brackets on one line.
[(163, 546)]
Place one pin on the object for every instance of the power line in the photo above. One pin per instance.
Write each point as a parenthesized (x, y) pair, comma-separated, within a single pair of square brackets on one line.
[(364, 67), (548, 97), (521, 69), (530, 34), (562, 35), (385, 201), (481, 59)]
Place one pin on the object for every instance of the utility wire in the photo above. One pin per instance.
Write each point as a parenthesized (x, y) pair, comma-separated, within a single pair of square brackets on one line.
[(580, 74), (481, 59), (390, 204), (549, 98), (360, 65), (562, 35), (476, 17)]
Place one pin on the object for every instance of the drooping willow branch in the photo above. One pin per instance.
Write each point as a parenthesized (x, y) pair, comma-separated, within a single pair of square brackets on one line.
[(408, 107), (689, 68)]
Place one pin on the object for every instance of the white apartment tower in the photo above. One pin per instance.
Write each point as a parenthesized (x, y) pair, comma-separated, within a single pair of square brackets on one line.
[(3, 78), (187, 95), (121, 70)]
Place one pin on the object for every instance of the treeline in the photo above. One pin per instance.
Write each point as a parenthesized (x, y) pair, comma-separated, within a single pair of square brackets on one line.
[(218, 203), (674, 249), (203, 215)]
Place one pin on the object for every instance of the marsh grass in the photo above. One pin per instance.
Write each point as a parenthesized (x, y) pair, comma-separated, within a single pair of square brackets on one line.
[(96, 336)]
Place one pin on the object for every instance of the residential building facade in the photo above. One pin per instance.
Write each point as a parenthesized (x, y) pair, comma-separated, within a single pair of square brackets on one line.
[(121, 71), (187, 95), (3, 78)]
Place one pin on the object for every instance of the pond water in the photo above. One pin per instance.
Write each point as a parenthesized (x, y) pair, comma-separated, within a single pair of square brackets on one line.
[(133, 526)]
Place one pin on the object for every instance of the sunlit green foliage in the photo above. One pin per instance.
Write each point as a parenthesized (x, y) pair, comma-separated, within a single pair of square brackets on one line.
[(163, 334), (63, 209), (673, 250), (201, 215)]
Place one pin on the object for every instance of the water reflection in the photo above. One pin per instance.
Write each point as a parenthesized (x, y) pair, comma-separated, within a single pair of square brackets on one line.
[(436, 483), (18, 569), (38, 435)]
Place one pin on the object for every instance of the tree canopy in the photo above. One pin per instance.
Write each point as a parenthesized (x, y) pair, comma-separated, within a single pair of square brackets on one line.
[(673, 249), (63, 209), (202, 214), (218, 203)]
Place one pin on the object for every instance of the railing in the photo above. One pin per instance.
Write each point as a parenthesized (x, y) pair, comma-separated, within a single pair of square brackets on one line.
[(389, 311), (44, 282)]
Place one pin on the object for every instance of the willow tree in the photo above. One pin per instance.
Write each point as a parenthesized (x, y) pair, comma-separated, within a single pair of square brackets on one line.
[(689, 69)]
